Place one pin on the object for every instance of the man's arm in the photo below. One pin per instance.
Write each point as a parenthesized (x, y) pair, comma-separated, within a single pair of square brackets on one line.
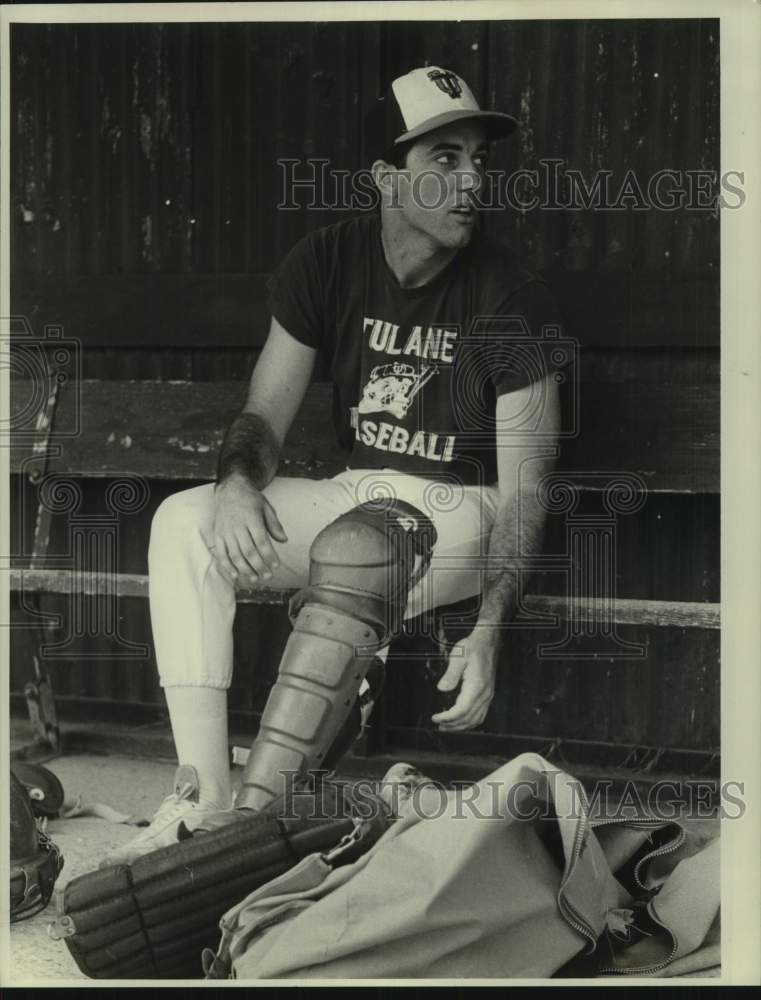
[(248, 460), (517, 532), (518, 527), (279, 381)]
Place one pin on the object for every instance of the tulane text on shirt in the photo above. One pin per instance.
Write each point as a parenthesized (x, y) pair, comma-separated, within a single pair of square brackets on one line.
[(436, 343)]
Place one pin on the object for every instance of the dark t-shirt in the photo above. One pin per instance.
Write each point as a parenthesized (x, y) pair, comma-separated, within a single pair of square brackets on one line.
[(417, 371)]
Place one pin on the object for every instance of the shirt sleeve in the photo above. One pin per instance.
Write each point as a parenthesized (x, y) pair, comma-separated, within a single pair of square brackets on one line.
[(295, 293), (526, 338)]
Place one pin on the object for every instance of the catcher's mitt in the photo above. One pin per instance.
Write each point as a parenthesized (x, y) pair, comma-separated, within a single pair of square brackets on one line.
[(35, 859)]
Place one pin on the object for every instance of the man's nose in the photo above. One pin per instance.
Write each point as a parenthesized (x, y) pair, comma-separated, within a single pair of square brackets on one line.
[(471, 179)]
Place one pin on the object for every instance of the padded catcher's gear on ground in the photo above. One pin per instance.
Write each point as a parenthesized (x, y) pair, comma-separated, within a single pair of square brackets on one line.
[(35, 860), (363, 566), (153, 918)]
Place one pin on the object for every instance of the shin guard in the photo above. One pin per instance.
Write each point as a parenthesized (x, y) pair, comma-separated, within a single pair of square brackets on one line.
[(362, 568), (326, 658)]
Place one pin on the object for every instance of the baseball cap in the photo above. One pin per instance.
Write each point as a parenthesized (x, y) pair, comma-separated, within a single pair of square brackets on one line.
[(422, 100)]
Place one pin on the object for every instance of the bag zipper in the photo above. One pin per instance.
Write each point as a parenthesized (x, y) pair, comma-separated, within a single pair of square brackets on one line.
[(571, 916), (665, 849), (658, 852), (646, 969), (574, 918)]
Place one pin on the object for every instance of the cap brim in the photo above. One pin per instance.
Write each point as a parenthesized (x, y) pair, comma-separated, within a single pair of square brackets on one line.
[(497, 124)]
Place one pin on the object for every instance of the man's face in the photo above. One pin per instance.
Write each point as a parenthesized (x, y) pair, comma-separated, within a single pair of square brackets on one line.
[(436, 191)]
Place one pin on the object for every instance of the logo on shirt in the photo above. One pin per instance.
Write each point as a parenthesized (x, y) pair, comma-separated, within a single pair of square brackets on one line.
[(392, 387)]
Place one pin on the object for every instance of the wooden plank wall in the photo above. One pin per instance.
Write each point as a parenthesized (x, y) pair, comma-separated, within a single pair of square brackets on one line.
[(145, 188)]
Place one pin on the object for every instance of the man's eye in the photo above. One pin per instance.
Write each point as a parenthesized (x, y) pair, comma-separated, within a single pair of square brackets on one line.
[(446, 159)]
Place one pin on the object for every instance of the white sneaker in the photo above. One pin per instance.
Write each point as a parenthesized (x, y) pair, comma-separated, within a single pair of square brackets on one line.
[(180, 805)]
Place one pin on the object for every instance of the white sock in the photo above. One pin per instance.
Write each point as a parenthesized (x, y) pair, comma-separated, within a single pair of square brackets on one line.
[(199, 727)]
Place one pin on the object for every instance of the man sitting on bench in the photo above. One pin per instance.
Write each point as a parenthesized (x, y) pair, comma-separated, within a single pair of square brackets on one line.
[(446, 401)]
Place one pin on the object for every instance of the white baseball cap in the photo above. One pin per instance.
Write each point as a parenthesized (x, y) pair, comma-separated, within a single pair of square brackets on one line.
[(423, 100)]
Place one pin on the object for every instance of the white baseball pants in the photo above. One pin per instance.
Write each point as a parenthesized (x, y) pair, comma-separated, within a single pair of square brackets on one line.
[(193, 605)]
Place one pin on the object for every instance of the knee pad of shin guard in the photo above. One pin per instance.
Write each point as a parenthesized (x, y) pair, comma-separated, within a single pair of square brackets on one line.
[(366, 562)]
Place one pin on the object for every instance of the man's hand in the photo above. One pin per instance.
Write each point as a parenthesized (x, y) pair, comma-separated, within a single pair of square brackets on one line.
[(244, 524), (473, 665)]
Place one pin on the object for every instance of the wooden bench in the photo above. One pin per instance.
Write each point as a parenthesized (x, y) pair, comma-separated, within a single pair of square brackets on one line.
[(654, 416)]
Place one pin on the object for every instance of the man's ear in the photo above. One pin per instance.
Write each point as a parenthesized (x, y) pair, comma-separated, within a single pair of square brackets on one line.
[(388, 179), (383, 172)]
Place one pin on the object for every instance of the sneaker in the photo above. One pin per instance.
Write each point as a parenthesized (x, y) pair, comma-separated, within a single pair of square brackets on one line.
[(180, 805), (210, 820)]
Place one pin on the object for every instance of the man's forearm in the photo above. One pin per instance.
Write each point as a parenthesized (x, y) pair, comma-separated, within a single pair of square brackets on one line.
[(250, 449), (517, 533)]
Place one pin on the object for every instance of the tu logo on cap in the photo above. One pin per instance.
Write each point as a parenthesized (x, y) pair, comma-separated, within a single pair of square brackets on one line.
[(447, 81)]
